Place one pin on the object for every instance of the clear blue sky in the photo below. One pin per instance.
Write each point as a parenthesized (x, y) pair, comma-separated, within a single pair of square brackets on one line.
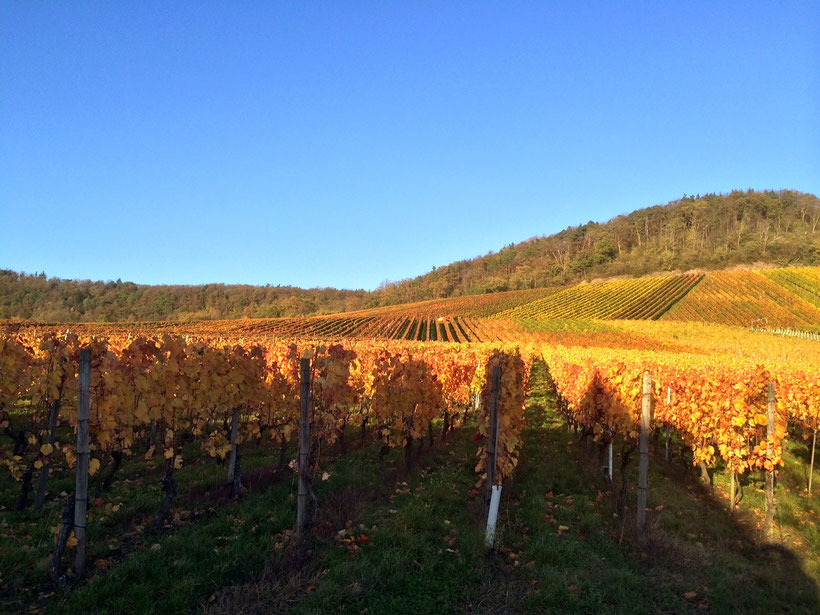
[(345, 143)]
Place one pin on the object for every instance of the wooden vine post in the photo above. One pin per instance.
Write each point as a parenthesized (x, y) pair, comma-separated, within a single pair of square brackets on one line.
[(813, 447), (234, 432), (770, 434), (492, 436), (42, 480), (81, 485), (302, 519), (610, 459), (668, 403), (493, 491), (643, 459), (732, 491)]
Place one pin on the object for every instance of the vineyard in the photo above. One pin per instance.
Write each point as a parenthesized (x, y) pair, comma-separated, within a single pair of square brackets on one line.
[(154, 394), (803, 282), (414, 326), (644, 298), (114, 435), (741, 298), (778, 298), (480, 306)]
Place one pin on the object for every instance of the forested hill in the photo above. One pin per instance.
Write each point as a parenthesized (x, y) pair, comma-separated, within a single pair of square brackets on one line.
[(702, 232), (695, 232), (36, 297)]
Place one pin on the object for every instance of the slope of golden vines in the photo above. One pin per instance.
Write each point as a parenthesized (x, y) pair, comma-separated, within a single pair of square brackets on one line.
[(743, 298), (416, 326), (419, 328), (452, 320), (637, 298), (717, 404), (715, 339), (484, 305), (803, 282), (160, 392)]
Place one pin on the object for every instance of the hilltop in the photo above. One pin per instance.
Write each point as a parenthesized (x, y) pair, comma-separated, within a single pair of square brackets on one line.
[(706, 232)]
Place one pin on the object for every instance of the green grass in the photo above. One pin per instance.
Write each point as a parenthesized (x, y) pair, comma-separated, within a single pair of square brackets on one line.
[(698, 556), (119, 527), (418, 544)]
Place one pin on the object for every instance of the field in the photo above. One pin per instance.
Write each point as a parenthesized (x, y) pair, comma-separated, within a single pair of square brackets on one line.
[(195, 469)]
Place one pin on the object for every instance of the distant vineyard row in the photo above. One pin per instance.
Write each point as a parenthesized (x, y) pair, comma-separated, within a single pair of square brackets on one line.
[(481, 306), (642, 298), (746, 298), (803, 282), (777, 298), (413, 327)]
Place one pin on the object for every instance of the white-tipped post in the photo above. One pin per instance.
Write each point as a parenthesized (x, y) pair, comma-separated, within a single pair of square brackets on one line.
[(492, 517)]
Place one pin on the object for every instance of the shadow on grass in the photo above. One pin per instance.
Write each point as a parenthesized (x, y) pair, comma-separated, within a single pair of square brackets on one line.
[(577, 557), (402, 547)]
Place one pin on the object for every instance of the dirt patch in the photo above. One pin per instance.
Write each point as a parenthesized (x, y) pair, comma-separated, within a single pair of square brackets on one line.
[(289, 574), (255, 482), (343, 509)]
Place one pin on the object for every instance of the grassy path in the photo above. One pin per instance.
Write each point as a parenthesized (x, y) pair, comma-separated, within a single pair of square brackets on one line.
[(698, 558)]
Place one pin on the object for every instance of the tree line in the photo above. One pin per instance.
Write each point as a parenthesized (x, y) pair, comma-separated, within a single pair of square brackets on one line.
[(37, 297)]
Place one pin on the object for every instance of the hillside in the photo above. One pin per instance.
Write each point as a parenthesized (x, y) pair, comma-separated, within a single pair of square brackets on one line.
[(704, 232)]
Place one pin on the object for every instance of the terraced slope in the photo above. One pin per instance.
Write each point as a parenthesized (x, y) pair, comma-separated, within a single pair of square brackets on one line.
[(803, 282), (642, 298), (418, 326), (470, 305), (744, 298)]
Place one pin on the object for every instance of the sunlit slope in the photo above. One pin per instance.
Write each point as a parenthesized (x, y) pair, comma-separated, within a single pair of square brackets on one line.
[(417, 326), (642, 298), (803, 282), (744, 298), (484, 305)]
